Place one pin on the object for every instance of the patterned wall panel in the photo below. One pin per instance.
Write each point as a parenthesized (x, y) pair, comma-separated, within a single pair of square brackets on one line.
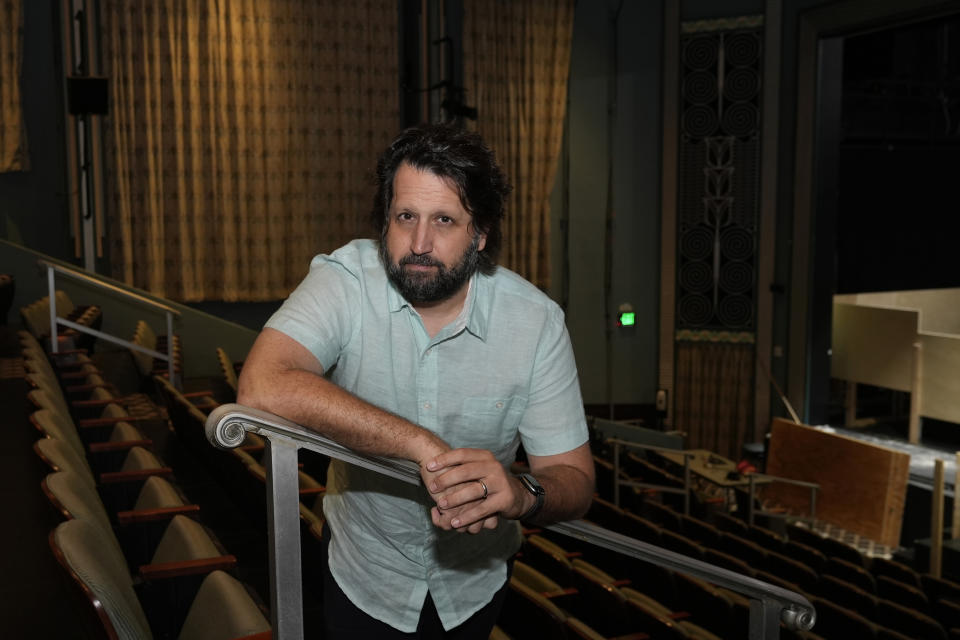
[(719, 175), (717, 231)]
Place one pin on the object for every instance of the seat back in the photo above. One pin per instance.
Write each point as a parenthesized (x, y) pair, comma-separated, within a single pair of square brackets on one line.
[(143, 336), (184, 539), (528, 614), (102, 574), (905, 594), (77, 499), (61, 456), (229, 372), (222, 610)]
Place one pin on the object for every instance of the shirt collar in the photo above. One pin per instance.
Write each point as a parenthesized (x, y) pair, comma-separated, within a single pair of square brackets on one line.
[(476, 306)]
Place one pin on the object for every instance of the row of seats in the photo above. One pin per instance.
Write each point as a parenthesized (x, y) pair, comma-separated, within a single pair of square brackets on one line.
[(888, 596), (149, 365), (131, 539), (36, 320)]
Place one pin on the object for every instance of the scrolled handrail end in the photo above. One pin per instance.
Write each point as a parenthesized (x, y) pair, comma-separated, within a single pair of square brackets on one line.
[(225, 430), (798, 618)]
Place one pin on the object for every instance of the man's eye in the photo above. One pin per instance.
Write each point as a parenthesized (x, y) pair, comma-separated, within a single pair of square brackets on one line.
[(404, 216), (445, 219)]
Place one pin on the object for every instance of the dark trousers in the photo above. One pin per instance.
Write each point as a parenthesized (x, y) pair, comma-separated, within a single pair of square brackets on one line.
[(345, 621)]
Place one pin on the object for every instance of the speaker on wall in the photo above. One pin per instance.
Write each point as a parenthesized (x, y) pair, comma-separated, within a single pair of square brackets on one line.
[(87, 94)]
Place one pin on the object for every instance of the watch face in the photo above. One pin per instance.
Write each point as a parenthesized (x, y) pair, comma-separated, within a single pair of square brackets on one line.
[(531, 484)]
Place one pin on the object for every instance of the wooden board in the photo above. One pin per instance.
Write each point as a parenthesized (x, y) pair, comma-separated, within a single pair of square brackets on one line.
[(863, 487), (940, 397), (939, 308)]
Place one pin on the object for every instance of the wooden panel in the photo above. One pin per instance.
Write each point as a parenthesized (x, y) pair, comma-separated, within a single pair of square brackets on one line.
[(873, 345), (862, 486), (939, 308), (940, 398)]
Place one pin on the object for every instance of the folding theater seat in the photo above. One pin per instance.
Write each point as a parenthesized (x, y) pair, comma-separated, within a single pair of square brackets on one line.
[(176, 539), (220, 609)]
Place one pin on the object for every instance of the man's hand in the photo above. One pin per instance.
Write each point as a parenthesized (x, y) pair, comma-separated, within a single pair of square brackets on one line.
[(456, 480)]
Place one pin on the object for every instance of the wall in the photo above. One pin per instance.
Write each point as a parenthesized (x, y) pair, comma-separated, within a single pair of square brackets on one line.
[(631, 150), (33, 203)]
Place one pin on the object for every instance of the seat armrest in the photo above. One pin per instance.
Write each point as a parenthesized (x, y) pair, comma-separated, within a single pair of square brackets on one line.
[(116, 477), (165, 570), (152, 515), (102, 447), (106, 422)]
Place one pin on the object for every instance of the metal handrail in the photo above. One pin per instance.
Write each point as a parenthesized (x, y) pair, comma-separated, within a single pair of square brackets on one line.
[(227, 426), (53, 269), (753, 477), (617, 482)]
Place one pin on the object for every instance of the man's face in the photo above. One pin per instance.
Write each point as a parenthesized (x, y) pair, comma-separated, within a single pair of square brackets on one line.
[(430, 246)]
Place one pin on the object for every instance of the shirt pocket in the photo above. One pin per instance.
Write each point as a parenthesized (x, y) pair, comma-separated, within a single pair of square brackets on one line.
[(489, 422)]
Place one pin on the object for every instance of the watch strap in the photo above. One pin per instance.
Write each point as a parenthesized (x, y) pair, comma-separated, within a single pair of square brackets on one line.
[(533, 486)]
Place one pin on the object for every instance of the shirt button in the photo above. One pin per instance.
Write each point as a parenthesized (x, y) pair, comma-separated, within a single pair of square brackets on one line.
[(426, 405), (499, 405)]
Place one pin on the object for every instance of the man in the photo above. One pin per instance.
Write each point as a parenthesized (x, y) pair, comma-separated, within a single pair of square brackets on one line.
[(422, 349)]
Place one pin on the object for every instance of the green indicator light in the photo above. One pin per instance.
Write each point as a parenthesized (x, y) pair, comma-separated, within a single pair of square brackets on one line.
[(628, 319)]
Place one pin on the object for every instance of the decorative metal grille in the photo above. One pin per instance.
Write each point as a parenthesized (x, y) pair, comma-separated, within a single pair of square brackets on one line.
[(719, 179)]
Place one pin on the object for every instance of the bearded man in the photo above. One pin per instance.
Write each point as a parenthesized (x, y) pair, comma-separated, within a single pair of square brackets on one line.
[(420, 347)]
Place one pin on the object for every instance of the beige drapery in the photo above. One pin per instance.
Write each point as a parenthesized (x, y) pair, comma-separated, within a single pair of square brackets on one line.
[(13, 138), (714, 394), (516, 64), (242, 138)]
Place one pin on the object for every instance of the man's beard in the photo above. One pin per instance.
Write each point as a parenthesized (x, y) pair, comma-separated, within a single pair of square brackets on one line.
[(419, 287)]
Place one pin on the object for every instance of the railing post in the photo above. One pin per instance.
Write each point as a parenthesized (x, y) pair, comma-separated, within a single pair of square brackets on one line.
[(764, 619), (686, 485), (283, 519), (753, 488), (51, 288)]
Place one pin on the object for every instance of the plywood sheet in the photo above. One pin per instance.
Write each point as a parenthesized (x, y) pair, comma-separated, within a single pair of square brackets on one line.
[(939, 308), (862, 486), (873, 345), (940, 377)]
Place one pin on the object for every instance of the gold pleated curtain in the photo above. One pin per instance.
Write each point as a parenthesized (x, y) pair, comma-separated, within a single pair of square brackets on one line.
[(516, 64), (714, 401), (13, 138), (242, 138)]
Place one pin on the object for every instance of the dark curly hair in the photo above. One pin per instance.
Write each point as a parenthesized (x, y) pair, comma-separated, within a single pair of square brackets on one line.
[(463, 158)]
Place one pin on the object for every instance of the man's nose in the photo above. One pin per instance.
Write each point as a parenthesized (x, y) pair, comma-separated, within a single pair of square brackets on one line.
[(422, 241)]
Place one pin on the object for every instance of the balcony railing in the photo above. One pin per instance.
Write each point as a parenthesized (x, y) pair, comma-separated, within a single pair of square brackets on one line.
[(55, 320), (228, 425)]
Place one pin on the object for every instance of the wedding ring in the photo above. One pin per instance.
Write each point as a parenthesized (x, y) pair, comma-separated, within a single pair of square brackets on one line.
[(484, 496)]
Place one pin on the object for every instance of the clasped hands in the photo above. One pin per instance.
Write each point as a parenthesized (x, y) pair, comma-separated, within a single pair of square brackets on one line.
[(472, 490)]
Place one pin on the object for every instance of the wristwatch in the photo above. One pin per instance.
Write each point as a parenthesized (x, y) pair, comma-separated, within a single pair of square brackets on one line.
[(530, 484)]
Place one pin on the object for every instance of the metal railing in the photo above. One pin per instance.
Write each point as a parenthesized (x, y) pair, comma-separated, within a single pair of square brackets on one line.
[(751, 509), (752, 480), (227, 426), (53, 269), (620, 482)]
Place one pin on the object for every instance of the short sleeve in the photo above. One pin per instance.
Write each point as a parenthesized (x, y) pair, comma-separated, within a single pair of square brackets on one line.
[(322, 313), (553, 421)]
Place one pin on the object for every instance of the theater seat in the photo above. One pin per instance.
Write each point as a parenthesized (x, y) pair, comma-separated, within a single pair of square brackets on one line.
[(181, 539), (222, 608)]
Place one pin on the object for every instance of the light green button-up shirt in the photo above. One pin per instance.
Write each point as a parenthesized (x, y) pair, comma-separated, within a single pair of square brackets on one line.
[(502, 373)]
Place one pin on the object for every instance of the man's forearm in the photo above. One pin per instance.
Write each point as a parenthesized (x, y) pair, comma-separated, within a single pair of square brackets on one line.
[(568, 492), (314, 402)]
